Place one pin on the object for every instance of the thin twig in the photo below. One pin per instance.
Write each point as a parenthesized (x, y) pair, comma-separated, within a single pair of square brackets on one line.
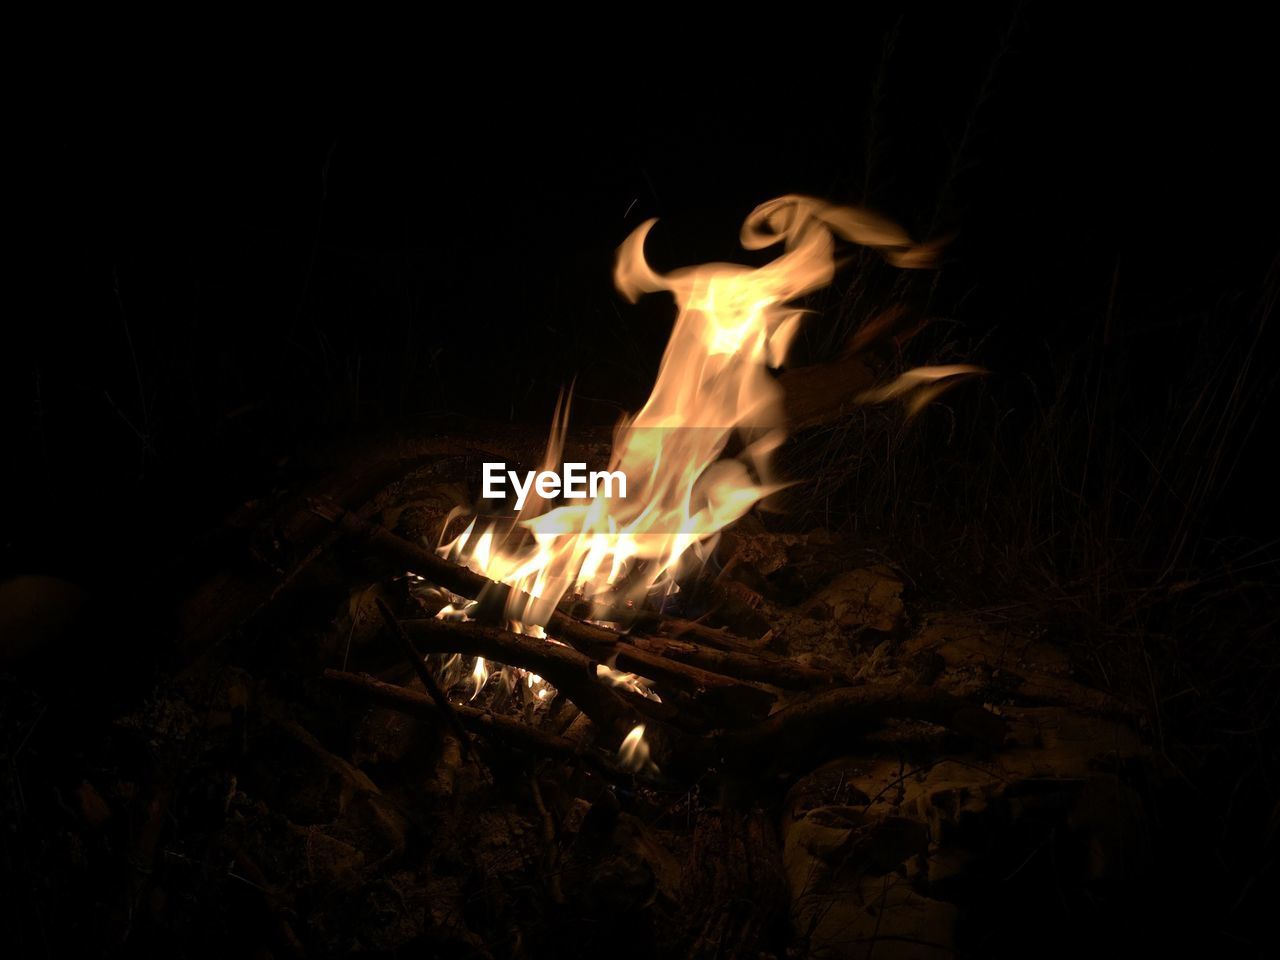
[(428, 681)]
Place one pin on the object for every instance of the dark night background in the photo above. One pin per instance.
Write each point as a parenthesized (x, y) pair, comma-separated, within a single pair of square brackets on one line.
[(223, 276), (225, 280)]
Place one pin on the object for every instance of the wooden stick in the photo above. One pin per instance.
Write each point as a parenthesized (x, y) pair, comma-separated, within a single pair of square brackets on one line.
[(590, 645), (695, 632), (561, 666), (763, 668), (428, 681), (410, 556), (510, 730), (798, 736), (711, 676), (824, 724), (445, 573)]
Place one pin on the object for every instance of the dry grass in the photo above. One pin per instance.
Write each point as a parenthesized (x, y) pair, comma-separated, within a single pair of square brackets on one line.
[(1107, 508)]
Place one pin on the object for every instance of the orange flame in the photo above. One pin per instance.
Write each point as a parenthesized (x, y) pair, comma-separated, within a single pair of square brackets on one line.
[(734, 323)]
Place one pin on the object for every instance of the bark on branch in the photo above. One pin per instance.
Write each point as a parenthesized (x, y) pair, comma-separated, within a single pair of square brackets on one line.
[(510, 730), (822, 726), (563, 667)]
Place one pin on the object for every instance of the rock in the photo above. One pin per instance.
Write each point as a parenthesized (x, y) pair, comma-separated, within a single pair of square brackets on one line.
[(966, 644), (869, 598), (885, 850), (851, 880), (763, 552), (971, 658)]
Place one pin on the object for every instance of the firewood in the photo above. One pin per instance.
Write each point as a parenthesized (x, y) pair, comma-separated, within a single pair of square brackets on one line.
[(624, 652), (713, 677), (424, 675), (410, 556), (762, 668), (445, 573), (509, 730), (694, 632), (737, 700), (561, 666), (805, 731)]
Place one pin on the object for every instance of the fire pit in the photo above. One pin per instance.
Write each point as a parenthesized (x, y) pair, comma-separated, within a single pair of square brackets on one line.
[(483, 528), (623, 713), (570, 602)]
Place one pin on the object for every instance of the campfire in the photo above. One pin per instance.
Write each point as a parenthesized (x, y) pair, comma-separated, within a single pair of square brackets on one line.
[(570, 602), (616, 625), (490, 532), (484, 695)]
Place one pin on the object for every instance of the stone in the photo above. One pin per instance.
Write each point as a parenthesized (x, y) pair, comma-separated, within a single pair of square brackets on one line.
[(869, 598)]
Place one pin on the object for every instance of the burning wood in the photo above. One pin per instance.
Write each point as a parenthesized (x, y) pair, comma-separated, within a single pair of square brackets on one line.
[(678, 489), (562, 666), (572, 601), (507, 730), (614, 552), (424, 675), (313, 646)]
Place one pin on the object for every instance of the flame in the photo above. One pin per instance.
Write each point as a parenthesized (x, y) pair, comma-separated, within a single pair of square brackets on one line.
[(480, 674), (734, 323), (633, 755), (626, 681)]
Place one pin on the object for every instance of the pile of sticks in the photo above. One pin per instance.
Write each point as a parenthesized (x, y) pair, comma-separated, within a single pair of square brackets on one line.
[(720, 695)]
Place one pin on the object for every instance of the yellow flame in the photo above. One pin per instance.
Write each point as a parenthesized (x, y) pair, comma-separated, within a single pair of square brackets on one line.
[(733, 324), (480, 674), (920, 386), (627, 681), (633, 755)]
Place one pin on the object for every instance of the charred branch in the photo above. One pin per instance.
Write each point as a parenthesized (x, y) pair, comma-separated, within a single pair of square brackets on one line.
[(509, 730), (723, 677), (693, 632), (762, 668), (561, 666), (410, 556), (825, 724), (589, 645), (424, 675)]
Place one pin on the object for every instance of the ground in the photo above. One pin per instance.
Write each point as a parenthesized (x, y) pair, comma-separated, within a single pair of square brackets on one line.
[(241, 802)]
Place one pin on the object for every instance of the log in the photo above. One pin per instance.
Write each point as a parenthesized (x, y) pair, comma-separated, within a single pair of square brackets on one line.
[(733, 699), (1041, 688), (809, 731), (445, 573), (624, 652), (410, 556), (561, 666), (762, 668), (424, 675), (512, 731), (719, 680), (804, 734), (694, 632)]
